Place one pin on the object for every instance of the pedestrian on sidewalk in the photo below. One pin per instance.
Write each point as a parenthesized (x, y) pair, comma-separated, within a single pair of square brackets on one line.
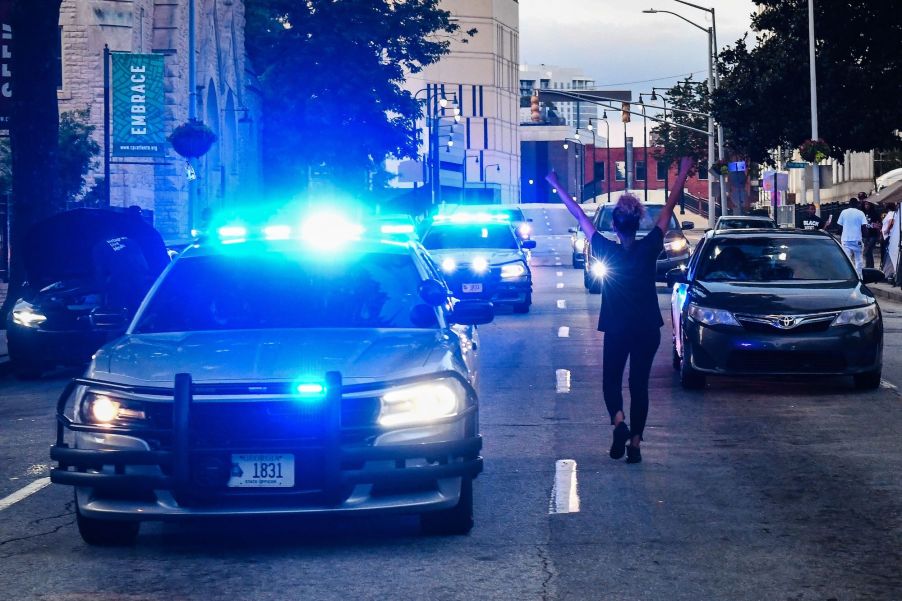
[(854, 226), (886, 231), (630, 317)]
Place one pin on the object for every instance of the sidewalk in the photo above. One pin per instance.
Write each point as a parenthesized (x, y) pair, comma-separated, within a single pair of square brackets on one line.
[(886, 292)]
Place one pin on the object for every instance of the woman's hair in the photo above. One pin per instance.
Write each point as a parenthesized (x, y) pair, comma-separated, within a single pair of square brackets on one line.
[(628, 214)]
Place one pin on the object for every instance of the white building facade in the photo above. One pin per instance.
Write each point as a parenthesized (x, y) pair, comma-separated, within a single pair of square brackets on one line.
[(553, 77), (226, 101), (479, 79)]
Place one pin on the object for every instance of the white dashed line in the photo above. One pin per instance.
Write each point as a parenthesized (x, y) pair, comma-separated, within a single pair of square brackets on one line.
[(23, 493), (561, 303), (565, 492), (888, 385), (559, 274), (560, 285), (562, 381), (557, 263)]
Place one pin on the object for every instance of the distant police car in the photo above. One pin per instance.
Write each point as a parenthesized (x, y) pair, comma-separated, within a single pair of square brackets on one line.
[(272, 375), (482, 258)]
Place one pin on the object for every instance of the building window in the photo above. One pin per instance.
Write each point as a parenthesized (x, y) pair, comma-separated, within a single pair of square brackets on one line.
[(59, 59), (703, 171), (640, 171), (600, 173), (661, 168), (620, 171)]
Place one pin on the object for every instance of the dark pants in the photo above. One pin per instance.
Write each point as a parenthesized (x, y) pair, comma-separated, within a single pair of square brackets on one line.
[(869, 243), (640, 346)]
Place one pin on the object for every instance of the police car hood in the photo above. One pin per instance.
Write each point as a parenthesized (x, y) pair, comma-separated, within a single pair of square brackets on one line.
[(360, 355), (495, 256)]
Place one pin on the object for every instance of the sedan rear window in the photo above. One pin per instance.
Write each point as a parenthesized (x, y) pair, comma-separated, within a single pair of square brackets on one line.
[(605, 222), (769, 259), (740, 224), (243, 291)]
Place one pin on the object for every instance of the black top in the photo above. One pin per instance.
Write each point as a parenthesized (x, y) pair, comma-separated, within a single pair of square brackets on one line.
[(629, 298), (810, 221)]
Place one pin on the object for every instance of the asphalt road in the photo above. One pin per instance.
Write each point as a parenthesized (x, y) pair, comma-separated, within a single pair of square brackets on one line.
[(749, 490)]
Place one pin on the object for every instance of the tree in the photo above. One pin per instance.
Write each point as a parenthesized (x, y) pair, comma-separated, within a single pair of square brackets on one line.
[(764, 98), (331, 73), (34, 126), (77, 152), (674, 141)]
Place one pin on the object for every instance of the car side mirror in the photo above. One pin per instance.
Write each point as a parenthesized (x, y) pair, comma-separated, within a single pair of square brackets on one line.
[(433, 293), (529, 244), (677, 275), (472, 313), (870, 275), (572, 230), (687, 225)]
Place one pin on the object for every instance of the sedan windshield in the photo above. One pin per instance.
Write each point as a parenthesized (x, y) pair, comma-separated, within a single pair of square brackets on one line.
[(489, 235), (652, 212), (237, 292), (768, 259), (739, 224)]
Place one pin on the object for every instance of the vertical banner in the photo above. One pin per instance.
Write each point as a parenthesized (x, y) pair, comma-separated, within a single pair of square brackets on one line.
[(138, 105), (6, 59)]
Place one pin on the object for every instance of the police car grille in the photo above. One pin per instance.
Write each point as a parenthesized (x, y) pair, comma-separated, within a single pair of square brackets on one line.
[(258, 425)]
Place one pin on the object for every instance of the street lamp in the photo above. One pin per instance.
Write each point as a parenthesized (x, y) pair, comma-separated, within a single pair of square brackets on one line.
[(578, 171), (711, 74), (607, 168), (436, 102), (594, 175), (644, 143)]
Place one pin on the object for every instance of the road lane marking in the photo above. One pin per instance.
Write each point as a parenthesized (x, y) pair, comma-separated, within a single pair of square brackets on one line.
[(23, 493), (562, 381), (888, 385), (561, 303), (565, 492), (557, 262), (563, 332), (560, 285), (560, 274)]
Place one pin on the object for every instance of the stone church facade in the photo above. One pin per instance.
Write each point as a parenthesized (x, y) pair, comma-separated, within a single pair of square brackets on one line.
[(227, 101)]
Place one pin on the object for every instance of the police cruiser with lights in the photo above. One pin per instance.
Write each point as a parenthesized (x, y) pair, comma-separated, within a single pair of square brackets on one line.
[(266, 373), (482, 258)]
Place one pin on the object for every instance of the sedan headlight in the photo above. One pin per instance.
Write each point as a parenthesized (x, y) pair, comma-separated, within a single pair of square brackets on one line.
[(676, 245), (579, 245), (480, 265), (856, 317), (599, 270), (711, 317), (106, 410), (449, 265), (513, 270), (27, 315), (421, 404)]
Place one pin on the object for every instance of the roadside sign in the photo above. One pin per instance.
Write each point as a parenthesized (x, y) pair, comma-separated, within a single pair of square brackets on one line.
[(138, 107), (796, 165), (737, 166)]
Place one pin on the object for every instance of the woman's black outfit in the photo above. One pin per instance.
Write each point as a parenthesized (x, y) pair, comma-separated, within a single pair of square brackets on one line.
[(630, 319)]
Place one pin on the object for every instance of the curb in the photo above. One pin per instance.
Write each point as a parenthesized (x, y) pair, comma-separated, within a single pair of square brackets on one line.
[(887, 293)]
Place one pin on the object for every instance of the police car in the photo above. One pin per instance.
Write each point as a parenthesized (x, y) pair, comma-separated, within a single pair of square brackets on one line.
[(267, 373), (482, 258)]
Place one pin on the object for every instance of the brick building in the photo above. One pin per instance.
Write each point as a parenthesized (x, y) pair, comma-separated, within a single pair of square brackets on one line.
[(226, 98)]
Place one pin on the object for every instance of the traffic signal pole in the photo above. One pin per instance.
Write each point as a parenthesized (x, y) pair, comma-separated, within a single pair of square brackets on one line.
[(815, 170)]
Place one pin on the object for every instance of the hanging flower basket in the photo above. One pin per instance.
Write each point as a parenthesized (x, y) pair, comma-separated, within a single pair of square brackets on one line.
[(814, 151), (720, 167), (192, 139)]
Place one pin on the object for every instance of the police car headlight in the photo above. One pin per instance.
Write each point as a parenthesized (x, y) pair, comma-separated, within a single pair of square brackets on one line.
[(27, 315), (677, 245), (580, 245), (106, 410), (421, 404), (711, 317), (449, 265), (513, 270), (856, 317), (480, 265)]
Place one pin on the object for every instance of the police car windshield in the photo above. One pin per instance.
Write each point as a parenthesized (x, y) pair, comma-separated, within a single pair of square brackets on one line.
[(652, 212), (768, 260), (238, 292), (486, 235)]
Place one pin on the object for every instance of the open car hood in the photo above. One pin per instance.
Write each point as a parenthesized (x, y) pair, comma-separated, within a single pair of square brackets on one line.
[(60, 247)]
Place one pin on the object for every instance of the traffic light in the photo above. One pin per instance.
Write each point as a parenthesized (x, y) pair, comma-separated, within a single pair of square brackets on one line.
[(625, 112)]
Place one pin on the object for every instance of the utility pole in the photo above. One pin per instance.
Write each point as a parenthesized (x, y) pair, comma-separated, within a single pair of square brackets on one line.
[(815, 170), (192, 107)]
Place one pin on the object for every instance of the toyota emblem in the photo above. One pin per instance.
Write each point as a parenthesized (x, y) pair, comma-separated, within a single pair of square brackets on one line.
[(786, 322)]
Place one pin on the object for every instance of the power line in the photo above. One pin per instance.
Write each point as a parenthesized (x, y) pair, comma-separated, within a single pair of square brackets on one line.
[(627, 83)]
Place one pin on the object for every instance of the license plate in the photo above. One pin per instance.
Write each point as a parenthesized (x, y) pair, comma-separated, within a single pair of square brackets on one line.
[(262, 471), (471, 287)]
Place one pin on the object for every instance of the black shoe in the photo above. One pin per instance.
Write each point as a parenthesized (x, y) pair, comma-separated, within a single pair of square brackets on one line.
[(633, 455), (621, 435)]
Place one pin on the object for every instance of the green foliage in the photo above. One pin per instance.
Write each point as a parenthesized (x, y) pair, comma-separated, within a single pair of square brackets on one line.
[(77, 152), (331, 73), (673, 141), (764, 98)]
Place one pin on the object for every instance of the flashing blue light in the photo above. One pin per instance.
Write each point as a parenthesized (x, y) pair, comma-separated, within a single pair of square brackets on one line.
[(397, 229), (463, 217), (277, 232), (232, 233), (309, 389), (329, 231)]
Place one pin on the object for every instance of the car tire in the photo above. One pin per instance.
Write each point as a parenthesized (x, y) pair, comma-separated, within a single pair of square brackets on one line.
[(106, 533), (524, 306), (457, 520), (25, 368), (677, 362), (690, 379), (577, 264), (594, 285), (585, 278), (869, 380)]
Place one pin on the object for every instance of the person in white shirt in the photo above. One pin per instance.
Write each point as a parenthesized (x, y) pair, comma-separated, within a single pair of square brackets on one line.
[(854, 226), (887, 230)]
